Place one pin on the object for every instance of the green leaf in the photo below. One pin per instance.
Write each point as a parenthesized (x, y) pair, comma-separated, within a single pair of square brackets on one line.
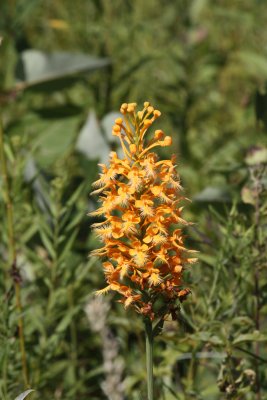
[(9, 152), (207, 337), (197, 8), (257, 156), (248, 195), (36, 68), (44, 226), (253, 63), (251, 337), (68, 245), (77, 193), (65, 322), (24, 394), (214, 194), (65, 111), (242, 321), (55, 139), (76, 219), (29, 233), (91, 141), (48, 244)]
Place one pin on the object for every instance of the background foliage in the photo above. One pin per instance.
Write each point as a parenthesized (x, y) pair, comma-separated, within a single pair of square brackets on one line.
[(65, 69)]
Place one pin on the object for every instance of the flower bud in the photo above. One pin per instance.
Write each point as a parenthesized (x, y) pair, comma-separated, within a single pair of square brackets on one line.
[(133, 148), (116, 128), (166, 142), (119, 121), (130, 109), (123, 108), (147, 123), (157, 113), (158, 134)]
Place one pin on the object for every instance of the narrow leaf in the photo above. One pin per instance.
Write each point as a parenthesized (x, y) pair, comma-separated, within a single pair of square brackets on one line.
[(24, 394)]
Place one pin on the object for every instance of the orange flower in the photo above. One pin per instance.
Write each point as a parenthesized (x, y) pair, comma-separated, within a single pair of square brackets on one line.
[(141, 199)]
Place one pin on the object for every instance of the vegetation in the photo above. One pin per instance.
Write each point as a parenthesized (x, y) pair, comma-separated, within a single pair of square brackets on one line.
[(65, 69)]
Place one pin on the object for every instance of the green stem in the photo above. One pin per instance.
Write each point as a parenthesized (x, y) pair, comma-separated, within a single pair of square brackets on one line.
[(257, 187), (13, 255), (149, 358), (73, 334)]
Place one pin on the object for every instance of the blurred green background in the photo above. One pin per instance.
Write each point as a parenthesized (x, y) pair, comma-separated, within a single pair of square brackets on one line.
[(65, 69)]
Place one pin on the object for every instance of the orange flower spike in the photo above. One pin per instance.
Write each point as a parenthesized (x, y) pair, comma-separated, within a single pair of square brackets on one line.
[(141, 233)]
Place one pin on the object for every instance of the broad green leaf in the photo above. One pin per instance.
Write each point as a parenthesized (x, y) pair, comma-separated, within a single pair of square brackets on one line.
[(55, 139), (65, 111), (37, 67)]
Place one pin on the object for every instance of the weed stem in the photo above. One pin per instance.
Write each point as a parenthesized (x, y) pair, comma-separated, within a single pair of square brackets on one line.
[(149, 358), (13, 255)]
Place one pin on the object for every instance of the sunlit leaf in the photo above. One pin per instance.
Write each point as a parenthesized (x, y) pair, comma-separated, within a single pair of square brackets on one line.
[(37, 68), (248, 195), (257, 155), (91, 141), (24, 394)]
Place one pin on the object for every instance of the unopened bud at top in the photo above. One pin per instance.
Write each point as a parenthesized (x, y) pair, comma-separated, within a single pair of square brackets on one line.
[(158, 134), (131, 107), (123, 108), (157, 113)]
